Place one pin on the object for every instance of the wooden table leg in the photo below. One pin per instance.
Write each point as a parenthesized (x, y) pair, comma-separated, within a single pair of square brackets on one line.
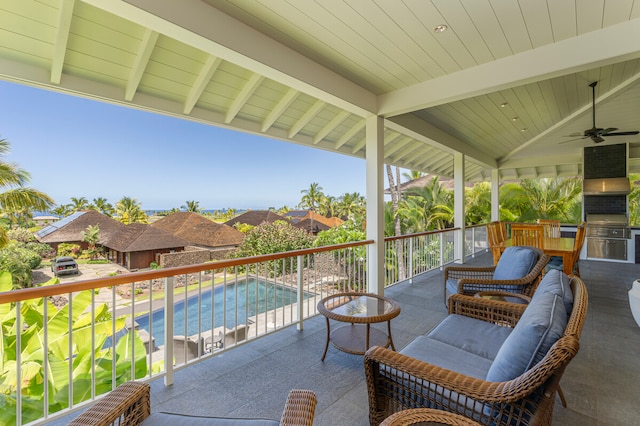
[(567, 267)]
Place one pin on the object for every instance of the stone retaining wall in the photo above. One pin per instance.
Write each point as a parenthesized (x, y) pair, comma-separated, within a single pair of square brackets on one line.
[(192, 255)]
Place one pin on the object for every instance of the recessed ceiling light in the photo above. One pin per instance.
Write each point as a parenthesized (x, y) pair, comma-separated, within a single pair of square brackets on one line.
[(523, 130), (504, 104), (440, 28), (514, 119)]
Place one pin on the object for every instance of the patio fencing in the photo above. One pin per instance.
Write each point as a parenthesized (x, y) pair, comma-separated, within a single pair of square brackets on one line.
[(76, 341)]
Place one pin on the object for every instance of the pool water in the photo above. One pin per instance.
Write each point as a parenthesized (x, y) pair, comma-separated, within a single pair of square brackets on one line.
[(254, 297)]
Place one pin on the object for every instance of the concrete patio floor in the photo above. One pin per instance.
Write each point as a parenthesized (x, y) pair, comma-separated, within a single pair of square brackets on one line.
[(601, 384)]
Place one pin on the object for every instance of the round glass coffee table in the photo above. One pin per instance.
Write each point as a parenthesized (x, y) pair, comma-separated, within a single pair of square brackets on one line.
[(360, 310)]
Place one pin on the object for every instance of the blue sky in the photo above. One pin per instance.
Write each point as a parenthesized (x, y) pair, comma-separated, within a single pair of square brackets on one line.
[(74, 147)]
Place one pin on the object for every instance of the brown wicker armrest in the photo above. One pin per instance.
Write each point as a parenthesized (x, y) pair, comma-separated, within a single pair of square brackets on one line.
[(299, 409), (396, 382), (498, 294), (495, 311), (128, 404), (460, 272)]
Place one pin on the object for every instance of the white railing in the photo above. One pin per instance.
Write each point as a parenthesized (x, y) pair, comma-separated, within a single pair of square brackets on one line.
[(407, 256), (80, 340)]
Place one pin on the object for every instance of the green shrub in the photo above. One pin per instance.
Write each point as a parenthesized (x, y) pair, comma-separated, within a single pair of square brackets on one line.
[(67, 249), (21, 234), (19, 261), (43, 250)]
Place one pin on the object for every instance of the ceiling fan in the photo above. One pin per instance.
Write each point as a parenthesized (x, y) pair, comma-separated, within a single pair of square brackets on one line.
[(595, 133)]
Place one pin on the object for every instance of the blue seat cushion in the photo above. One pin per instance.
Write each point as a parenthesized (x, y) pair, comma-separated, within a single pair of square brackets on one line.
[(515, 263), (478, 337), (557, 282), (541, 325), (451, 286), (447, 356)]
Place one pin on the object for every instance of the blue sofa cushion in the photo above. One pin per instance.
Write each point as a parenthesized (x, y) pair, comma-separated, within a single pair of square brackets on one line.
[(447, 356), (451, 286), (557, 282), (515, 263), (478, 337), (541, 325)]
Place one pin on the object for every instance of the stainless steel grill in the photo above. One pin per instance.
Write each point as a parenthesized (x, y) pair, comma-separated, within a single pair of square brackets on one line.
[(607, 236)]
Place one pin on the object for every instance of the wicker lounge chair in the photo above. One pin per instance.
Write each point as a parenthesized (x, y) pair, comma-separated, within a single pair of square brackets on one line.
[(504, 276), (397, 381), (129, 405)]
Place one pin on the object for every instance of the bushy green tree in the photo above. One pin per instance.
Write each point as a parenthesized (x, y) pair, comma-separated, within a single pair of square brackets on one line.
[(19, 261), (92, 236), (276, 237)]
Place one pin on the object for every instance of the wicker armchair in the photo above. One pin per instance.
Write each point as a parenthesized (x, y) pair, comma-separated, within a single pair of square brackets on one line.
[(129, 405), (472, 280), (398, 382)]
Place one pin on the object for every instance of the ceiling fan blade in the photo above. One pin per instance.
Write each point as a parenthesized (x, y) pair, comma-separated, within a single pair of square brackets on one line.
[(597, 139), (608, 130), (574, 135), (635, 132), (570, 140)]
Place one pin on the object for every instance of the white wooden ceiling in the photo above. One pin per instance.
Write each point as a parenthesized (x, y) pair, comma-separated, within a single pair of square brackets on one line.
[(310, 72)]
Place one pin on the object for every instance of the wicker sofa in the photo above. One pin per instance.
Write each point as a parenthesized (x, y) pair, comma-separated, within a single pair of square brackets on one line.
[(129, 405), (495, 362)]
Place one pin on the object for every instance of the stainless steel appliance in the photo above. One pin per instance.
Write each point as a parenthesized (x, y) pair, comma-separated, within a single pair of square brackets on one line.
[(607, 236)]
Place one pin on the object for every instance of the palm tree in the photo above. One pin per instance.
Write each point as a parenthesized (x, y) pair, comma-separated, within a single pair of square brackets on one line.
[(412, 175), (61, 211), (92, 236), (394, 189), (542, 199), (427, 208), (312, 198), (14, 196), (350, 205), (79, 204), (103, 206), (129, 210), (478, 203), (191, 206), (328, 206)]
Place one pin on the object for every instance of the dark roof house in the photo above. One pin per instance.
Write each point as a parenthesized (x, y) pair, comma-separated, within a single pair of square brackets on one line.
[(256, 217), (199, 230), (70, 228)]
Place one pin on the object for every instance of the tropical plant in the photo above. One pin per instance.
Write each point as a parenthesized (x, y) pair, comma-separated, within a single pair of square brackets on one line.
[(129, 210), (426, 208), (350, 206), (92, 236), (22, 235), (191, 206), (19, 260), (312, 198), (634, 200), (478, 203), (93, 354), (62, 210), (103, 206), (15, 197), (78, 204), (544, 198), (394, 189)]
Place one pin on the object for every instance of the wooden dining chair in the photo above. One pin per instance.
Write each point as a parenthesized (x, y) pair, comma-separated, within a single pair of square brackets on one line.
[(527, 234), (495, 236), (551, 227)]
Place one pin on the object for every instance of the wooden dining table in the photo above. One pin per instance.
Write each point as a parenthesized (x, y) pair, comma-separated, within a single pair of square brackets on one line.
[(562, 247)]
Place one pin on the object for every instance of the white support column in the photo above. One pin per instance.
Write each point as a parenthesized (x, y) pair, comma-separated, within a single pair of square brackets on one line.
[(375, 202), (495, 195), (458, 204)]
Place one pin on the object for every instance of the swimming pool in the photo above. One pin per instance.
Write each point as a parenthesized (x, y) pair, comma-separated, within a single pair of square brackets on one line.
[(254, 297)]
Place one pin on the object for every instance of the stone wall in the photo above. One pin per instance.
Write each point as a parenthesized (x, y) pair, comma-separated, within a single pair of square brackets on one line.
[(192, 255)]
